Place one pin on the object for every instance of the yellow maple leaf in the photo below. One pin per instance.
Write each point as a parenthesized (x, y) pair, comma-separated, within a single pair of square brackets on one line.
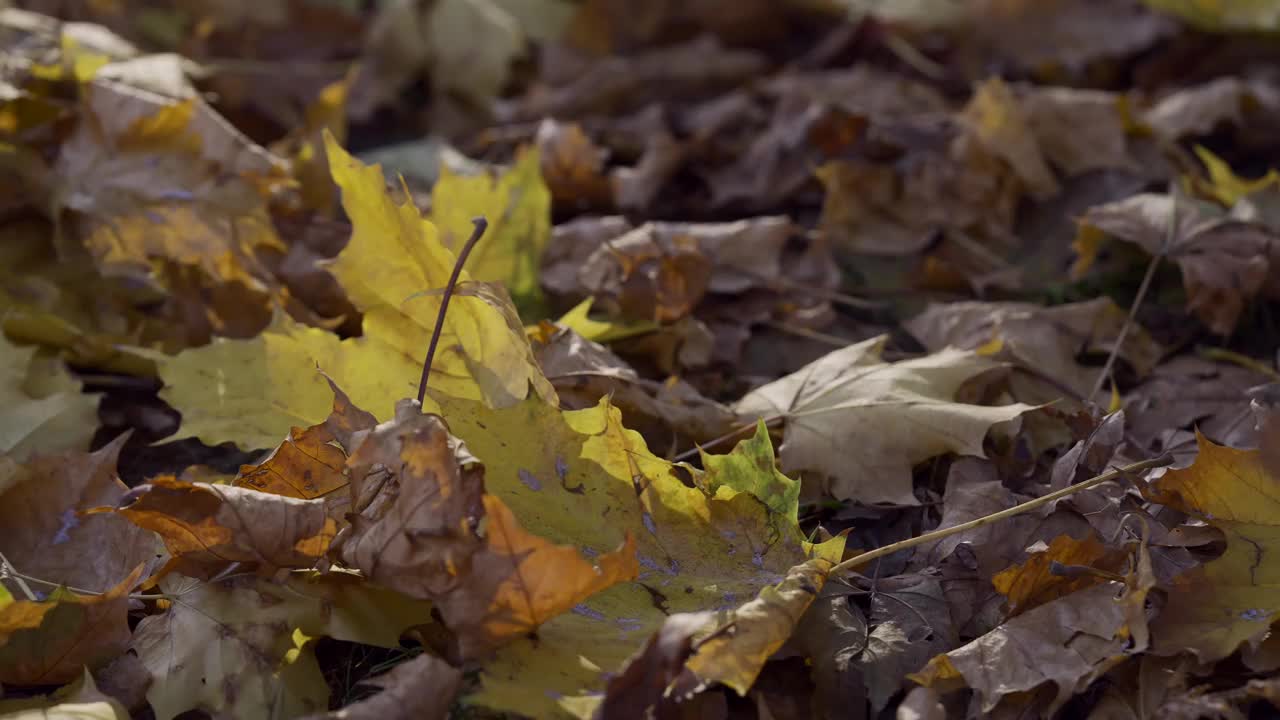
[(251, 392), (517, 205), (731, 542)]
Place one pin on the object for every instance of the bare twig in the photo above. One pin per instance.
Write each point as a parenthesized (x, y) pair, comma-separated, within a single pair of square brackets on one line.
[(1169, 238), (936, 535), (480, 225), (768, 422), (8, 570)]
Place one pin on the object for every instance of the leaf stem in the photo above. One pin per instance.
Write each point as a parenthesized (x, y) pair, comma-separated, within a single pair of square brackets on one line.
[(929, 537), (480, 226)]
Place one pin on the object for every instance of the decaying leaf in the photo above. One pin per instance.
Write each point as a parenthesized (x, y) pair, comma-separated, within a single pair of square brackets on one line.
[(1041, 340), (50, 641), (432, 533), (1068, 642), (1224, 261), (423, 687), (248, 645), (1056, 570), (206, 528), (47, 535), (863, 423)]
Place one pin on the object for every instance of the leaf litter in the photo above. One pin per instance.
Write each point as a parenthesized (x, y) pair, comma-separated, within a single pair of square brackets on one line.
[(849, 358)]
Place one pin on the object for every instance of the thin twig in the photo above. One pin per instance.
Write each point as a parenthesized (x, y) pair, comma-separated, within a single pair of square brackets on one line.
[(8, 570), (480, 225), (1169, 237), (936, 535), (768, 422)]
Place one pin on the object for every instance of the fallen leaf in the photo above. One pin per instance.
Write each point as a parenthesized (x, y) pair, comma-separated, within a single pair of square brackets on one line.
[(250, 392), (1044, 341), (1215, 608), (1056, 570), (1188, 391), (1199, 109), (572, 166), (50, 641), (883, 417), (1068, 642), (1224, 262), (490, 578), (642, 685), (424, 687), (310, 463), (591, 482), (42, 502), (408, 37), (620, 84), (583, 372), (143, 171), (1001, 125), (81, 700), (207, 528), (748, 635), (45, 411), (517, 205), (247, 644), (910, 622)]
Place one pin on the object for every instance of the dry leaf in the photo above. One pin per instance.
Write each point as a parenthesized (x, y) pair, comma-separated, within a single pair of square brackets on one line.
[(1042, 340), (432, 533), (864, 423), (50, 641), (207, 528), (47, 535)]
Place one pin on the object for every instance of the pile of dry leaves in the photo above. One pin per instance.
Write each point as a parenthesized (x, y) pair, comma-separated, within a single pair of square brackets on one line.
[(781, 308)]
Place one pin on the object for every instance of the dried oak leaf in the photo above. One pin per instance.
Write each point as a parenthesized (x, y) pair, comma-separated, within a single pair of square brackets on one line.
[(1215, 608), (48, 536), (1044, 341), (208, 527), (1224, 261), (250, 392), (45, 410), (729, 540), (244, 647), (50, 641), (432, 533), (863, 423)]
